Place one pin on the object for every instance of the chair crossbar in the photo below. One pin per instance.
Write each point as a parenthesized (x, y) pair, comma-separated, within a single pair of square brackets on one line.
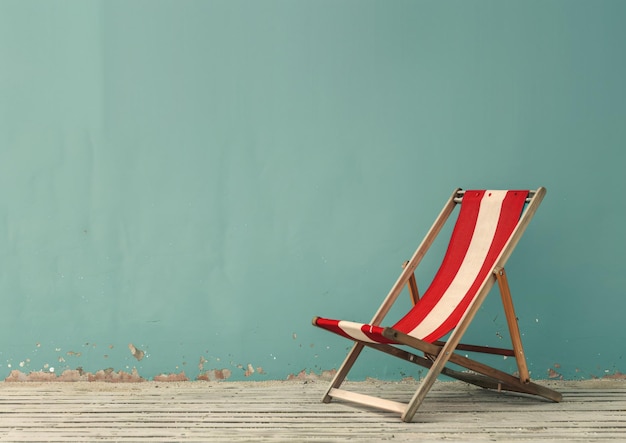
[(458, 197), (368, 400), (481, 349)]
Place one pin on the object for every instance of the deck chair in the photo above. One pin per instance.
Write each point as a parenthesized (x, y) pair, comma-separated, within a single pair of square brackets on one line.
[(488, 226)]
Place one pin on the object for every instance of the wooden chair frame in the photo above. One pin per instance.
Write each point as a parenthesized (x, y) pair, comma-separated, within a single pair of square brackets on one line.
[(437, 355)]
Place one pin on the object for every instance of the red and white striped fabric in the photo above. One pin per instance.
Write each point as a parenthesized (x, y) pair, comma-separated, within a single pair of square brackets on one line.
[(484, 225)]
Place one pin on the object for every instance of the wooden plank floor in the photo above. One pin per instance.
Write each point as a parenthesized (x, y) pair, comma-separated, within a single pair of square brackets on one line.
[(292, 412)]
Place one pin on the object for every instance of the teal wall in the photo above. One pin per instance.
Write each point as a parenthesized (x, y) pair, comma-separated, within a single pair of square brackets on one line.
[(200, 178)]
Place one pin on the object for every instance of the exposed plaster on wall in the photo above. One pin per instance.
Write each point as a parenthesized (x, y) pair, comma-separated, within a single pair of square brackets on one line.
[(215, 375), (56, 364), (310, 376), (249, 370), (616, 376), (553, 374), (109, 375), (136, 352), (47, 372), (69, 375), (171, 377), (201, 363)]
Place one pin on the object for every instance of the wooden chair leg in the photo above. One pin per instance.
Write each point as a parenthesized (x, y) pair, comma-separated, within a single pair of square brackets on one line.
[(511, 319), (425, 385), (341, 374)]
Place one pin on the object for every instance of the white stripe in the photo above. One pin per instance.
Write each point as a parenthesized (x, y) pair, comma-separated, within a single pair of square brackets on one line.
[(485, 229), (354, 331)]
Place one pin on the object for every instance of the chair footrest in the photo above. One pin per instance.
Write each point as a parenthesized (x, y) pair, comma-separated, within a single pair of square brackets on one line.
[(368, 400)]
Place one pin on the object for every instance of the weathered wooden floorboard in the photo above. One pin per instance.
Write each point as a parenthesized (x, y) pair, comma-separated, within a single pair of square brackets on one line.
[(292, 411)]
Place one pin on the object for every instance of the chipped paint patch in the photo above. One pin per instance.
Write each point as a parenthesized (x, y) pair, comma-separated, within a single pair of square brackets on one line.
[(615, 376), (553, 374), (109, 375), (214, 375), (171, 377), (137, 353), (18, 376), (201, 363), (249, 370), (70, 375), (304, 376)]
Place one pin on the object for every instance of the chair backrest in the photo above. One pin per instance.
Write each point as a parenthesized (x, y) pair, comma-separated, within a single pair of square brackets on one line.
[(485, 223)]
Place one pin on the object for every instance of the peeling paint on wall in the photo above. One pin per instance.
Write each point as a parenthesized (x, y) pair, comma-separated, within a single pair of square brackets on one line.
[(616, 376), (201, 363), (73, 375), (553, 374), (215, 375), (249, 370), (171, 377), (311, 376), (136, 352)]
